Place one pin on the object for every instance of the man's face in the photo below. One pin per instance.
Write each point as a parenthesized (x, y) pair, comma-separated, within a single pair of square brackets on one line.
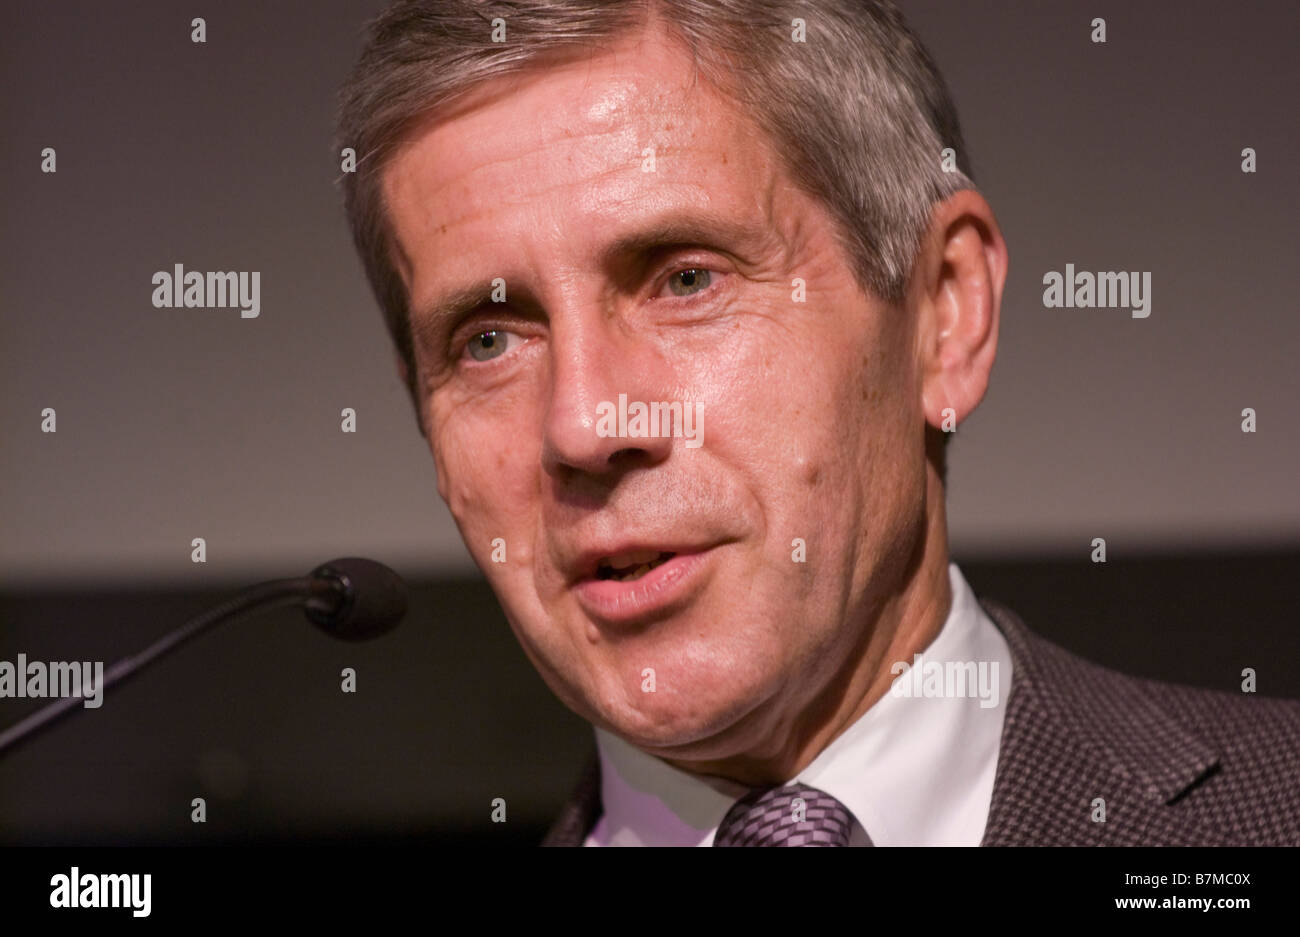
[(696, 274)]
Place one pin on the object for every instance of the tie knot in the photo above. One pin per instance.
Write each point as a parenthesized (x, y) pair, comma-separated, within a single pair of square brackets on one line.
[(792, 815)]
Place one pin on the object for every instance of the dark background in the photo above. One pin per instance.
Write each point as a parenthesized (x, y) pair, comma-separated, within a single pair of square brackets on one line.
[(178, 423), (449, 714)]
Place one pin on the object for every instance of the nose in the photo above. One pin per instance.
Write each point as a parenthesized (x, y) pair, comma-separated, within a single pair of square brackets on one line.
[(598, 371)]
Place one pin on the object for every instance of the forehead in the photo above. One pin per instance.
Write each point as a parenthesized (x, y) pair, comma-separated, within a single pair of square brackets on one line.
[(582, 149)]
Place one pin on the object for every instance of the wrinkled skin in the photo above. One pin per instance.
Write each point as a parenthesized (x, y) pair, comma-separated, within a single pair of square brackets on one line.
[(815, 412)]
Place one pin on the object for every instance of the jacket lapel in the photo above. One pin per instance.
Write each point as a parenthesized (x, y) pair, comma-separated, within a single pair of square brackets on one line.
[(579, 815), (1078, 736)]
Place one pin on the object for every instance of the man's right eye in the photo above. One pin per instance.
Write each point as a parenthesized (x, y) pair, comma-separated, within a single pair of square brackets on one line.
[(484, 346)]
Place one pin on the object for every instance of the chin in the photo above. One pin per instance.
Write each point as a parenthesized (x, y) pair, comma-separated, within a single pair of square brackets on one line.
[(682, 722)]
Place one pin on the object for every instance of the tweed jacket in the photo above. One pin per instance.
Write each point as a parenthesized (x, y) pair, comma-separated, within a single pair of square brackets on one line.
[(1174, 765)]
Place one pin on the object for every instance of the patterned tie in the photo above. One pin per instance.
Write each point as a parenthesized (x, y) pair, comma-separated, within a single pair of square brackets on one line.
[(793, 815)]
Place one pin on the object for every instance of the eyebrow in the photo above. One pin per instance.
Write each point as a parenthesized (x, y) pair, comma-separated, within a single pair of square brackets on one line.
[(430, 319), (675, 232), (681, 232)]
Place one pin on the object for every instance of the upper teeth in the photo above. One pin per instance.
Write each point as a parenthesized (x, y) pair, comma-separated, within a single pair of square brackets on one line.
[(631, 565), (631, 558)]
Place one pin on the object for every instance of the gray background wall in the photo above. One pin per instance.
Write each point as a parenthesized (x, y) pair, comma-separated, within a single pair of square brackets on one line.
[(177, 423)]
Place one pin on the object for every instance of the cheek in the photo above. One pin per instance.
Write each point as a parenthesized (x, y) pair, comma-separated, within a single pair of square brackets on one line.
[(488, 485), (828, 426)]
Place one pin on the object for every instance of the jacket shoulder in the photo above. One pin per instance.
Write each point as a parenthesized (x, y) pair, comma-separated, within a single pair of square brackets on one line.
[(1188, 764)]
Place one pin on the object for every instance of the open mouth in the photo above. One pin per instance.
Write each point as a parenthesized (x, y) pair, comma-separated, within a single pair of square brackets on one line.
[(631, 566)]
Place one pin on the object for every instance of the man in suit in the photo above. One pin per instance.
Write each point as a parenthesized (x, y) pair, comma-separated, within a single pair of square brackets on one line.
[(688, 297)]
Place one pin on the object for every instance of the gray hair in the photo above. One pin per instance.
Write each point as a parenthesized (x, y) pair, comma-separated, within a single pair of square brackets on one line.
[(858, 112)]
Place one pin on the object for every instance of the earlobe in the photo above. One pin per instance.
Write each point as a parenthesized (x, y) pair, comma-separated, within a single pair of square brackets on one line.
[(964, 276)]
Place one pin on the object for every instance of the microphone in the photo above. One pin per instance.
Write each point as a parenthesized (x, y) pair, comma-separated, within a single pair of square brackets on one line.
[(352, 599), (355, 599)]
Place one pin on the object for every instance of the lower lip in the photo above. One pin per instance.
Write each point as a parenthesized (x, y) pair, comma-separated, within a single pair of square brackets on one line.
[(666, 585)]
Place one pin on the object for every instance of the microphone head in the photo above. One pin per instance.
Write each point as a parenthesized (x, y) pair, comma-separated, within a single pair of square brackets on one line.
[(355, 599)]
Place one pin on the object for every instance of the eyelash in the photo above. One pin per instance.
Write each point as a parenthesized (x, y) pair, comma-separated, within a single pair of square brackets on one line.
[(682, 267), (462, 342)]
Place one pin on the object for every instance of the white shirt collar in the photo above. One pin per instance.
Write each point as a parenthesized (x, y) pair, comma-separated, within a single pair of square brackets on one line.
[(914, 771)]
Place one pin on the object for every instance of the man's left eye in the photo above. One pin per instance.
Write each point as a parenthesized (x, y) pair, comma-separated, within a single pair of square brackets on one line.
[(689, 281)]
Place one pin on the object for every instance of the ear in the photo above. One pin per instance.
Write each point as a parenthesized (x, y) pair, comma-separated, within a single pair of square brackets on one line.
[(956, 292), (404, 373)]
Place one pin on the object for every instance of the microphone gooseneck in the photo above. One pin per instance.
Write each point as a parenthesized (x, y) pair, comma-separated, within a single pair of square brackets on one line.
[(353, 599)]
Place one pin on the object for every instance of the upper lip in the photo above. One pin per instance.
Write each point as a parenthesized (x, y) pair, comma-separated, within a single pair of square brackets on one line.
[(587, 560)]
